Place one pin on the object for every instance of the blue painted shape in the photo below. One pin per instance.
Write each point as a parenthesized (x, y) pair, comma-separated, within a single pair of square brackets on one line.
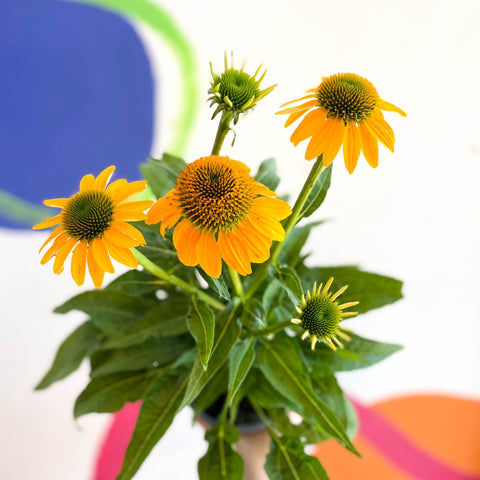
[(76, 95)]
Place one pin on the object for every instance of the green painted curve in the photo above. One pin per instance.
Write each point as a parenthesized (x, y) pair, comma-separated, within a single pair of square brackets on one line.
[(25, 213), (160, 21)]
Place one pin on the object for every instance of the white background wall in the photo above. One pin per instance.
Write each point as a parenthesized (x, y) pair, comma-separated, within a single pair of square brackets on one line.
[(415, 217)]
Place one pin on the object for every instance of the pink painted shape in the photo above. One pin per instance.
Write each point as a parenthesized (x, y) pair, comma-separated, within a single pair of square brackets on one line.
[(398, 448), (114, 445)]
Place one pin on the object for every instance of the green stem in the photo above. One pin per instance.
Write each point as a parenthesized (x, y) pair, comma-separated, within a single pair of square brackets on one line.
[(291, 222), (236, 282), (174, 280), (223, 128)]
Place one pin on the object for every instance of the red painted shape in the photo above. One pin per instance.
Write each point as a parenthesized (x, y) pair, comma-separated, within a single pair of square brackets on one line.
[(110, 458)]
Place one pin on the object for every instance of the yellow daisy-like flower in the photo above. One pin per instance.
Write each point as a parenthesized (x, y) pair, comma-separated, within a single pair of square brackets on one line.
[(224, 214), (92, 223), (345, 109), (320, 315)]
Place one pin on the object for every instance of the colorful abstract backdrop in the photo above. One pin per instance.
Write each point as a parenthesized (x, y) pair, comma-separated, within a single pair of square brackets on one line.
[(90, 83)]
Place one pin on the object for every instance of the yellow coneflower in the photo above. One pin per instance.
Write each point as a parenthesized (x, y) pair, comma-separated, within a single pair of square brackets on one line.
[(223, 213), (92, 223), (345, 109), (320, 315)]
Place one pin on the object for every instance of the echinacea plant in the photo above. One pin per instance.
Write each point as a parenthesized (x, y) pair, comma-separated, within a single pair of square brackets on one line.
[(217, 311)]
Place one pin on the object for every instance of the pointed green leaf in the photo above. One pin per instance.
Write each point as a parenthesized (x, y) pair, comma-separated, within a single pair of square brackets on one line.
[(78, 345), (167, 319), (287, 460), (267, 174), (240, 361), (291, 283), (227, 334), (162, 174), (282, 365), (110, 311), (212, 390), (219, 285), (359, 352), (370, 289), (134, 282), (221, 462), (201, 324), (318, 193), (110, 392), (157, 413), (153, 353)]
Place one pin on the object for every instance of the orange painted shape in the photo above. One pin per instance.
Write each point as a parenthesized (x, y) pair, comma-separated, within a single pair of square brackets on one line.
[(340, 464), (446, 427)]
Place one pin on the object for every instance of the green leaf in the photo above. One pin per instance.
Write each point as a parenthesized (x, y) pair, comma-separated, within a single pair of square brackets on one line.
[(110, 392), (78, 345), (264, 394), (253, 314), (291, 283), (318, 193), (217, 284), (165, 320), (221, 462), (226, 337), (272, 294), (162, 174), (327, 389), (240, 362), (201, 324), (153, 353), (294, 243), (157, 413), (134, 282), (267, 174), (212, 390), (287, 460), (358, 353), (111, 312), (370, 289), (281, 363), (306, 431)]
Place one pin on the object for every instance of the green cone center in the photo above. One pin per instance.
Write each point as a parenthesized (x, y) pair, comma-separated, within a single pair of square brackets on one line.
[(87, 215)]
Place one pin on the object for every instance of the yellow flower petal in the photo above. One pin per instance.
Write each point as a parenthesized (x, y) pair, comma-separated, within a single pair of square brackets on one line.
[(297, 100), (100, 253), (351, 146), (312, 123), (96, 273), (87, 182), (121, 255), (382, 131), (118, 238), (79, 263), (56, 245), (299, 108), (58, 230), (48, 223), (126, 191), (369, 145), (129, 230), (62, 254), (185, 239), (56, 202), (208, 255), (103, 178), (390, 107), (234, 253)]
